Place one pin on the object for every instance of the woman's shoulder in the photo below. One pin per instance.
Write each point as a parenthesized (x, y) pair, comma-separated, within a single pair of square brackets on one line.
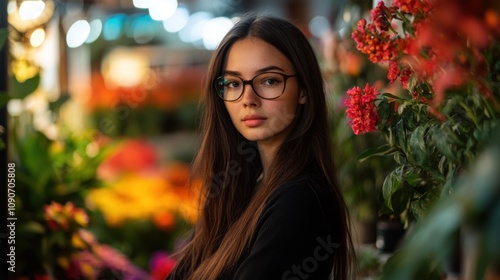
[(311, 184), (308, 197)]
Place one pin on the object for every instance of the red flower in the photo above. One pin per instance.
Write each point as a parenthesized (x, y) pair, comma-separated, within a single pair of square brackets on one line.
[(361, 109), (164, 220), (412, 6), (133, 155), (161, 265), (394, 71), (382, 16), (447, 79)]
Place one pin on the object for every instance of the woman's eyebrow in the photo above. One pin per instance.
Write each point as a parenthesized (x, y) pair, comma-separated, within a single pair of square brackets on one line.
[(261, 70)]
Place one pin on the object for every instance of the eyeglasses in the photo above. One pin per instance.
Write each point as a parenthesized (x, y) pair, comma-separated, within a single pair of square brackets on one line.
[(267, 85)]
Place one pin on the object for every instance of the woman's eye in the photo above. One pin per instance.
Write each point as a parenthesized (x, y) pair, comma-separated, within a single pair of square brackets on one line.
[(270, 82), (232, 84)]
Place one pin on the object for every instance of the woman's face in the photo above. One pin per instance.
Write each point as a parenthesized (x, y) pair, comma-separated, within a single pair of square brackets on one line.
[(257, 119)]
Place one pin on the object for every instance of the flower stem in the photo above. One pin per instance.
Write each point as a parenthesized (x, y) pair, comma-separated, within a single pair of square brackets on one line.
[(406, 22)]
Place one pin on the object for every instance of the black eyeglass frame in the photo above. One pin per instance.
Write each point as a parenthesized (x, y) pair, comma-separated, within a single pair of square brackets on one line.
[(250, 82)]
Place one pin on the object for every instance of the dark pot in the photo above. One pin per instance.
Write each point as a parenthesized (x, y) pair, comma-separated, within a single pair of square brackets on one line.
[(389, 235)]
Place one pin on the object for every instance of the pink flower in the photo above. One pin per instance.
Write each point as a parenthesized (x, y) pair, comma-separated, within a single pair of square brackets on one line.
[(116, 261), (361, 109), (161, 265)]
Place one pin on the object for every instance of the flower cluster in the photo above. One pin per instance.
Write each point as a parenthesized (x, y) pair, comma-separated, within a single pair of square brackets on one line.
[(76, 251), (361, 109), (151, 196), (65, 216), (135, 179), (427, 49), (446, 55)]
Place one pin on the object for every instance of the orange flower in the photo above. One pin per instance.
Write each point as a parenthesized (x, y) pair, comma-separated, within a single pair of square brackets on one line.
[(412, 6), (164, 220)]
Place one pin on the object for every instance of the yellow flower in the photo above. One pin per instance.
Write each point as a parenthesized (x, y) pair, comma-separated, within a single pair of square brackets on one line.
[(56, 147), (145, 196), (77, 242), (23, 70), (63, 262), (81, 218), (88, 270)]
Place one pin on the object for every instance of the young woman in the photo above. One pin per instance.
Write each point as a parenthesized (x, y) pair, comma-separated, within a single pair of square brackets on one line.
[(272, 208)]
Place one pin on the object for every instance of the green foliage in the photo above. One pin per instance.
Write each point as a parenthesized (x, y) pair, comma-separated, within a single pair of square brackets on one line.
[(48, 171), (360, 173), (22, 89), (430, 150), (473, 213)]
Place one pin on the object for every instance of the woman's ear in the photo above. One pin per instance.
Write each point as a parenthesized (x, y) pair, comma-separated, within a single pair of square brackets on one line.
[(302, 97)]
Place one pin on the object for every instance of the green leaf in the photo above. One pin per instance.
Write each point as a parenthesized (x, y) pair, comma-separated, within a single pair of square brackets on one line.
[(402, 107), (400, 199), (385, 112), (378, 151), (412, 82), (440, 138), (413, 179), (21, 90), (56, 105), (401, 136), (392, 96), (391, 184), (36, 164), (32, 227), (417, 146)]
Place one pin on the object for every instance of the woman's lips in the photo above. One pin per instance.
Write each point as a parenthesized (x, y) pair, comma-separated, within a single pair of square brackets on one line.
[(253, 120)]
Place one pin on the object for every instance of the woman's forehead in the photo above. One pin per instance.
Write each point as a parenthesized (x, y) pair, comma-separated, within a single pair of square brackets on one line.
[(252, 55)]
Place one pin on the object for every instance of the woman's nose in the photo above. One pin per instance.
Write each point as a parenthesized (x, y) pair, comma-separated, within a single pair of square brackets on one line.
[(249, 97)]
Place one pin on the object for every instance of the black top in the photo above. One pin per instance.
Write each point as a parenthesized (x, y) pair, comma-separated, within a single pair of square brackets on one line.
[(296, 236)]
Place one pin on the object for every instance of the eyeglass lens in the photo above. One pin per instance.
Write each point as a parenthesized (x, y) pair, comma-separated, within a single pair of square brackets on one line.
[(267, 85)]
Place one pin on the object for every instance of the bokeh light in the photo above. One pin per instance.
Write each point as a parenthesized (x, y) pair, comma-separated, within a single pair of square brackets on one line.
[(95, 30), (177, 21), (162, 10), (77, 33), (37, 37), (113, 27), (193, 31), (319, 26), (214, 30), (30, 10)]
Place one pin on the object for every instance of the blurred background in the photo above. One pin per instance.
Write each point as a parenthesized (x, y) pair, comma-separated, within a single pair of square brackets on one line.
[(100, 116), (104, 116)]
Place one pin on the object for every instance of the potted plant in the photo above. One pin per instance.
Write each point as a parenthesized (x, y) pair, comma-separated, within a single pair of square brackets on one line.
[(448, 103)]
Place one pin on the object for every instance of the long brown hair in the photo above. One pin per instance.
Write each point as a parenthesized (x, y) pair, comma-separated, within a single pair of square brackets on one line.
[(229, 165)]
